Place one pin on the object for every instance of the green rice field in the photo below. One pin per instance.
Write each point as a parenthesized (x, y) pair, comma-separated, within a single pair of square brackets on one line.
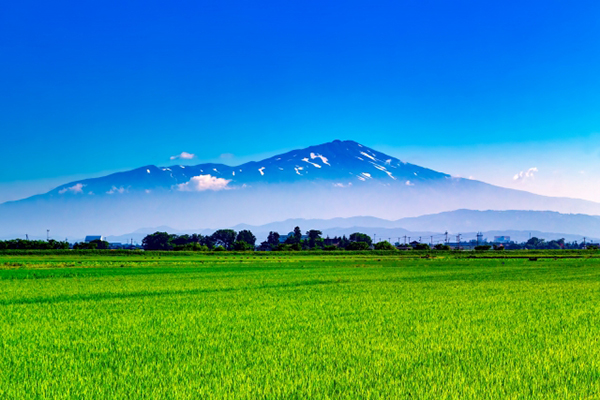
[(299, 326)]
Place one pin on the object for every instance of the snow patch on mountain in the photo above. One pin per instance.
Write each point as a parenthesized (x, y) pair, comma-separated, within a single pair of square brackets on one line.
[(324, 159), (368, 155)]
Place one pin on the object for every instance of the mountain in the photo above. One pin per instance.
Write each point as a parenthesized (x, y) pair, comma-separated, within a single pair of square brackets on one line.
[(336, 179), (344, 163), (470, 220)]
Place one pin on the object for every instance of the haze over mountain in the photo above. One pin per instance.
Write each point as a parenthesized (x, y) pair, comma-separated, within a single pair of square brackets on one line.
[(336, 179), (519, 225)]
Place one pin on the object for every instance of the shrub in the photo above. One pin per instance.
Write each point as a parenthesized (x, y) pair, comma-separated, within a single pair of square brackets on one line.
[(384, 246), (357, 246), (422, 246)]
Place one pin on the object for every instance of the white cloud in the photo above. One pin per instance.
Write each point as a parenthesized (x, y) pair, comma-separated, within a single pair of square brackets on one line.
[(203, 182), (409, 183), (78, 188), (525, 175), (115, 189), (183, 156)]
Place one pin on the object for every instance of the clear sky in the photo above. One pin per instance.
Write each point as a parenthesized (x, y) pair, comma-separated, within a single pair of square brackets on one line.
[(471, 88)]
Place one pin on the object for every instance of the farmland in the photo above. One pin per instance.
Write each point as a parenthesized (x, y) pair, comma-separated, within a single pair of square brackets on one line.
[(307, 325)]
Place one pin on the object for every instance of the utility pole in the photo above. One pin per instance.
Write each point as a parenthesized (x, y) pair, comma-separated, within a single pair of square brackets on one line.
[(446, 237), (458, 241), (419, 239), (27, 237), (409, 240), (47, 235), (404, 239), (584, 246), (432, 241), (479, 236)]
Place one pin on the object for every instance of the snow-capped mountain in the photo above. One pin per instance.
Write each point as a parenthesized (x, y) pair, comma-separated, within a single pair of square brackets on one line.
[(336, 179), (343, 163)]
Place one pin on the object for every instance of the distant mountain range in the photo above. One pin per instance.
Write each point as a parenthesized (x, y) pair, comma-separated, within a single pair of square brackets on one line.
[(337, 179), (519, 225)]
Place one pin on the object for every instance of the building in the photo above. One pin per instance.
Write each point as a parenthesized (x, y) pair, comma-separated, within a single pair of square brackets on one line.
[(91, 238), (501, 239)]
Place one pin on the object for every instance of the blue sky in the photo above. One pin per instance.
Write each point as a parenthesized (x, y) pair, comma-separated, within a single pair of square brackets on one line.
[(470, 88)]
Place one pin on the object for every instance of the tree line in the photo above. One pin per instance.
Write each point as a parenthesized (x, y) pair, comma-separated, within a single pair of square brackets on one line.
[(20, 244), (244, 240), (229, 239)]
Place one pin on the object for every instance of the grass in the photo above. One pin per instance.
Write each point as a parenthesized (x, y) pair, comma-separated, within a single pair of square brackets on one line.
[(244, 326)]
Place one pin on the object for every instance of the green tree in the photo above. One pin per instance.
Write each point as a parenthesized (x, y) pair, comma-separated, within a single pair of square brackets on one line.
[(101, 244), (295, 237), (534, 243), (273, 239), (240, 245), (385, 245), (224, 238), (361, 237), (297, 234), (180, 241), (247, 237), (357, 246), (422, 246), (158, 241), (314, 237)]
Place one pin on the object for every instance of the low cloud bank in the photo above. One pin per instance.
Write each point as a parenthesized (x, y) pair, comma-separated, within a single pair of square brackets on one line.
[(78, 188), (203, 182)]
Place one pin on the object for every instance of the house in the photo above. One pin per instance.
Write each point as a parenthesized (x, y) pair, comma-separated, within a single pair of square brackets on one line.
[(91, 238)]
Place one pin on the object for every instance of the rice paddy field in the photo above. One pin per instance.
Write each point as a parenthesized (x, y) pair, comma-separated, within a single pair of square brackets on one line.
[(299, 326)]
